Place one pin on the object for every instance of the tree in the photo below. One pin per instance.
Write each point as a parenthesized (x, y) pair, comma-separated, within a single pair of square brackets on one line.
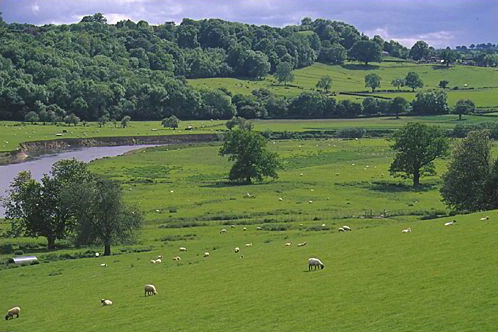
[(366, 51), (170, 122), (443, 84), (284, 72), (372, 81), (413, 81), (239, 121), (38, 208), (417, 146), (324, 83), (335, 54), (448, 56), (464, 106), (398, 105), (466, 183), (430, 102), (420, 50), (100, 214), (252, 160), (125, 120), (398, 82)]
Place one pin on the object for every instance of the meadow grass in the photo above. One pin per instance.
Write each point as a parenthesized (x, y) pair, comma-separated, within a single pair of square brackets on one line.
[(376, 278), (475, 83)]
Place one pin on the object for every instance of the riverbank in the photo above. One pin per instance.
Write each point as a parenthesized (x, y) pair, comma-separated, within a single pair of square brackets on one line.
[(29, 150)]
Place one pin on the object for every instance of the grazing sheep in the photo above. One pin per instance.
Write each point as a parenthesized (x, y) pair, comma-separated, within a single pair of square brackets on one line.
[(449, 223), (150, 290), (183, 249), (259, 228), (177, 258), (206, 254), (244, 229), (249, 244), (103, 265), (105, 302), (315, 263), (346, 228), (484, 218), (223, 230), (288, 244), (302, 244), (406, 230), (13, 311), (159, 260), (341, 229), (160, 257), (236, 249), (153, 261)]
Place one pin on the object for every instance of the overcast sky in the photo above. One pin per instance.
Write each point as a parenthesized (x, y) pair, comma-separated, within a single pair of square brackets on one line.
[(440, 23)]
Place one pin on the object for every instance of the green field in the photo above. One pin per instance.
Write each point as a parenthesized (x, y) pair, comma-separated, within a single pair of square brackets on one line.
[(475, 83), (436, 278)]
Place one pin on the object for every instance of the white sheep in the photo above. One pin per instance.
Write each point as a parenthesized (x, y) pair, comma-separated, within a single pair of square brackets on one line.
[(288, 244), (182, 249), (177, 258), (103, 265), (150, 290), (236, 249), (302, 244), (160, 257), (13, 311), (206, 254), (484, 218), (341, 229), (223, 230), (249, 244), (315, 263), (153, 261), (105, 302), (244, 229), (406, 230), (346, 228), (449, 223), (159, 260)]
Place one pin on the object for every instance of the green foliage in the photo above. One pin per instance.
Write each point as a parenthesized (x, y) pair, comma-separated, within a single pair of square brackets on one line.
[(284, 72), (417, 146), (469, 183), (372, 81), (430, 102), (464, 106), (420, 51), (252, 160), (324, 83), (413, 81), (170, 122), (366, 51)]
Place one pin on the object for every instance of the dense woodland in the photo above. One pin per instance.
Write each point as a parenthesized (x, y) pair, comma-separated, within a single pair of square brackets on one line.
[(94, 71)]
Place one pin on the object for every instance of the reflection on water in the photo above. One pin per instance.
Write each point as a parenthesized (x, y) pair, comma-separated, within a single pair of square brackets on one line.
[(42, 165)]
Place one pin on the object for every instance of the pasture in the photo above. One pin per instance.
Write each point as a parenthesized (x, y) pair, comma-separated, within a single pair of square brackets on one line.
[(376, 278), (475, 83)]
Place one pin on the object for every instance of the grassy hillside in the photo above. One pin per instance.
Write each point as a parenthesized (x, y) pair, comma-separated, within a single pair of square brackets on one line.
[(376, 278), (476, 83)]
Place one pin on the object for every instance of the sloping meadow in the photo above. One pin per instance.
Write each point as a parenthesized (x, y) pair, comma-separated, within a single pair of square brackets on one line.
[(376, 278)]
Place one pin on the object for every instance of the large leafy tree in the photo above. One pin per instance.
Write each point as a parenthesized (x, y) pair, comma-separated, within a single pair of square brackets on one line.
[(100, 214), (464, 106), (251, 159), (430, 102), (37, 208), (366, 51), (324, 83), (417, 146), (372, 81), (420, 50), (470, 182), (413, 81), (284, 72)]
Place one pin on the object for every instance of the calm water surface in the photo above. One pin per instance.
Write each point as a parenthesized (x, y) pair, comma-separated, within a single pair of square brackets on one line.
[(42, 165)]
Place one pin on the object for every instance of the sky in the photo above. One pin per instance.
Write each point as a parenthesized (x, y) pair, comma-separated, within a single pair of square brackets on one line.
[(440, 23)]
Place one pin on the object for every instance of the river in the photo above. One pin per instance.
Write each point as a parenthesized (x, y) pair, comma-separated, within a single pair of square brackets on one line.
[(43, 164)]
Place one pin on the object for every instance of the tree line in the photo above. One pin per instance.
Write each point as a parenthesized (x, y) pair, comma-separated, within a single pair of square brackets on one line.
[(94, 71)]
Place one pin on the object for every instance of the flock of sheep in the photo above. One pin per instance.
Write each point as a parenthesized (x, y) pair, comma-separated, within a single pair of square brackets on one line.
[(149, 289)]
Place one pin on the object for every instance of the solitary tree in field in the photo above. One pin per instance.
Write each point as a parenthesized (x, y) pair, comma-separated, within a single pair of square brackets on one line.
[(413, 81), (470, 184), (125, 120), (366, 51), (252, 160), (417, 146), (398, 83), (170, 122), (100, 214), (448, 56), (324, 83), (464, 106), (283, 72), (372, 81)]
